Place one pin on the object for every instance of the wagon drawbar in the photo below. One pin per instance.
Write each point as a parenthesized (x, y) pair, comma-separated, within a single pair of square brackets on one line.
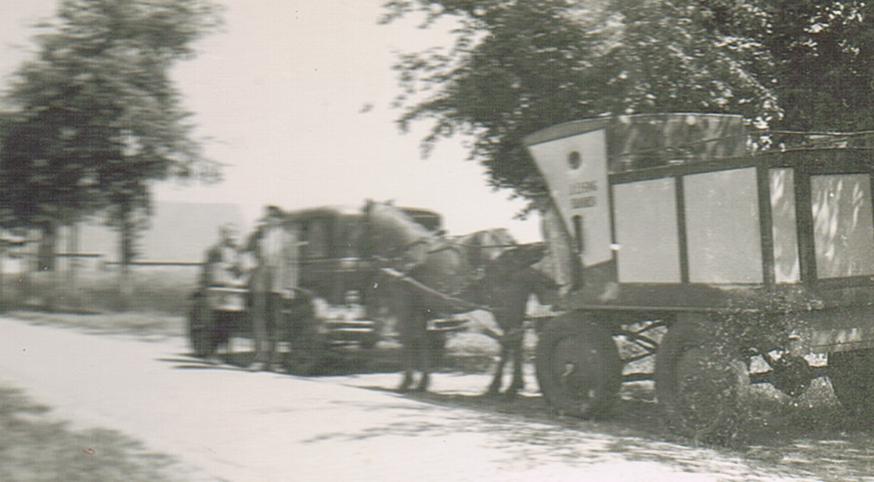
[(669, 223)]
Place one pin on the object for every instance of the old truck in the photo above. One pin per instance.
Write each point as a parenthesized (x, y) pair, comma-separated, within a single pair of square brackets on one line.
[(726, 263), (335, 269)]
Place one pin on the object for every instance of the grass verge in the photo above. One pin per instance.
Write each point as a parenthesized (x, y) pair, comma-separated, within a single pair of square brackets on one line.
[(148, 326), (35, 446)]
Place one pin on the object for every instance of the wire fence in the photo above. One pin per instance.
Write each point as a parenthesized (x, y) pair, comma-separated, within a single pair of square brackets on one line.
[(89, 282)]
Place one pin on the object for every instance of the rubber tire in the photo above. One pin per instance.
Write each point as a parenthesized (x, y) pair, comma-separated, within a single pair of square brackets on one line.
[(200, 328), (852, 377), (437, 348), (572, 338), (307, 350), (689, 357)]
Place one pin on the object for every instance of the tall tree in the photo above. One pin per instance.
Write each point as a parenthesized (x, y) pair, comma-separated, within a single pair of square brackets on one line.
[(823, 54), (96, 116), (517, 66)]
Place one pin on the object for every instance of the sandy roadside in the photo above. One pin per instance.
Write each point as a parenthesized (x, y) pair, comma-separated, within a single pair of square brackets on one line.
[(239, 426)]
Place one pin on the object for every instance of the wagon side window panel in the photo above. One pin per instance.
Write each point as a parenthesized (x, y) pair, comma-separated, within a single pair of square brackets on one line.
[(646, 231), (784, 228), (722, 227), (843, 230)]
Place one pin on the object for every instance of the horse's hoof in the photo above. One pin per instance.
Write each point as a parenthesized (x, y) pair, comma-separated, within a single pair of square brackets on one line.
[(492, 392), (405, 385)]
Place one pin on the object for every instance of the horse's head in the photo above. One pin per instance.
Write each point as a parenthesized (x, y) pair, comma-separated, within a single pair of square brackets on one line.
[(495, 242), (519, 266), (483, 247), (390, 232), (516, 259)]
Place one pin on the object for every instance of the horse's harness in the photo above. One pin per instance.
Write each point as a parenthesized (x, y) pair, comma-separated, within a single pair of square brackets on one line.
[(509, 336), (447, 245)]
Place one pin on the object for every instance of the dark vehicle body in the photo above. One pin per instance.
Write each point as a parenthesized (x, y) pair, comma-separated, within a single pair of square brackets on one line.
[(335, 278), (334, 260)]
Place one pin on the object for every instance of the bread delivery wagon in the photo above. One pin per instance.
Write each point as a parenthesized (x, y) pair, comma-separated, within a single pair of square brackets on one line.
[(671, 223)]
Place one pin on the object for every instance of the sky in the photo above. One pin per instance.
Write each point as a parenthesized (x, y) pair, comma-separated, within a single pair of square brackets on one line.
[(279, 96)]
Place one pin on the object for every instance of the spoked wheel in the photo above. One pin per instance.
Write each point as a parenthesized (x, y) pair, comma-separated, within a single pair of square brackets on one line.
[(578, 366), (200, 328), (852, 378), (700, 384)]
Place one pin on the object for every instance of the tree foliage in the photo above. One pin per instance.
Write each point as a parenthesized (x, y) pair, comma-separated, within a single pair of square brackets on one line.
[(823, 56), (96, 116), (520, 65)]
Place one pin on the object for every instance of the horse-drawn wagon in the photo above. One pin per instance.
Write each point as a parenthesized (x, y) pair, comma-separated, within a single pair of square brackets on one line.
[(334, 274), (671, 222)]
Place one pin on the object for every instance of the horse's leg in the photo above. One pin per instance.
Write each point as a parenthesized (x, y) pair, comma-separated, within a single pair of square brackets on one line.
[(495, 386), (405, 315), (408, 358), (518, 382), (425, 350), (424, 353), (272, 328)]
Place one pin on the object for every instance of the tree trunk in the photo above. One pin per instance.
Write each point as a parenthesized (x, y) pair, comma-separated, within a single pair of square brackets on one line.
[(27, 266), (47, 264), (72, 265), (3, 295), (125, 256)]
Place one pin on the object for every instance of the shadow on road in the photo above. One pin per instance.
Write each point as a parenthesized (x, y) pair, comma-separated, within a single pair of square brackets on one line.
[(339, 362), (809, 438), (785, 440)]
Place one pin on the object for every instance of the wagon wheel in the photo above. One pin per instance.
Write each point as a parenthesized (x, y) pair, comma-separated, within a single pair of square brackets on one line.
[(200, 327), (852, 378), (578, 366), (701, 384)]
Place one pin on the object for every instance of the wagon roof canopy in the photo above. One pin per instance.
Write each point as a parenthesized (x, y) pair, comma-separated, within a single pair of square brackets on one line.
[(643, 141)]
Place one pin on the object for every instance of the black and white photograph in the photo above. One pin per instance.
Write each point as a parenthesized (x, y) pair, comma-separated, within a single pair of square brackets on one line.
[(436, 240)]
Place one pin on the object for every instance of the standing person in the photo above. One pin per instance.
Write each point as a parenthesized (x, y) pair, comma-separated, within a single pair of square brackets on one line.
[(223, 264), (273, 281), (223, 269)]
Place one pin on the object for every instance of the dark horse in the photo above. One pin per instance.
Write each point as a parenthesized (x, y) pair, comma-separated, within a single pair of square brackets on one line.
[(442, 276), (506, 287)]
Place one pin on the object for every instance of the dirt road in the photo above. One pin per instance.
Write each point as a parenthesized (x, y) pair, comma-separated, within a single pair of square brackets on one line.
[(233, 425)]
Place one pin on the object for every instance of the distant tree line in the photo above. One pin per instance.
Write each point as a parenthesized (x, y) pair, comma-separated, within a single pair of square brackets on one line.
[(94, 118)]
